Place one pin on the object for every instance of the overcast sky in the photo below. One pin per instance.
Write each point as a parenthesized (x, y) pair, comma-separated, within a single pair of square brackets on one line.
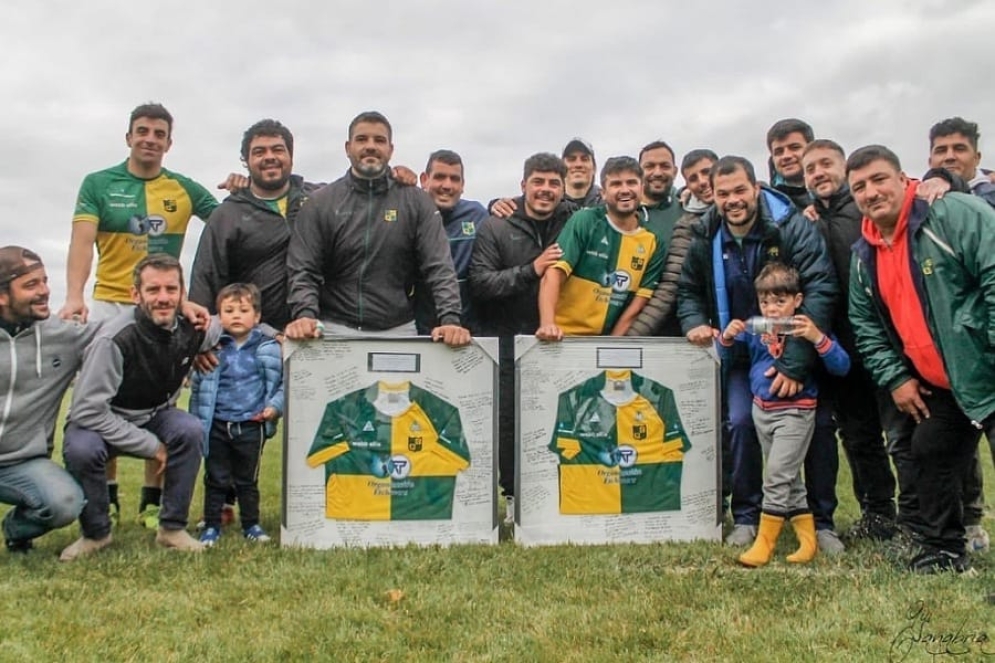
[(494, 81)]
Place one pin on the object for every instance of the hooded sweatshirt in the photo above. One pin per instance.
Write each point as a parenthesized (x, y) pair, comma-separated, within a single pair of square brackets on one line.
[(36, 366), (899, 294)]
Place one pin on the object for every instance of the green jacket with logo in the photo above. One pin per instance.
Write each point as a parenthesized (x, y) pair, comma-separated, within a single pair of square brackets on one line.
[(952, 255)]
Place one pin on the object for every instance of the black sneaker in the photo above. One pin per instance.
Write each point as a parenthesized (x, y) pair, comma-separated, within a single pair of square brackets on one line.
[(873, 527), (22, 546), (939, 561)]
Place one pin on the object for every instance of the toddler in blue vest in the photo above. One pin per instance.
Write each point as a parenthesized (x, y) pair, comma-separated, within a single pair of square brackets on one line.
[(238, 404)]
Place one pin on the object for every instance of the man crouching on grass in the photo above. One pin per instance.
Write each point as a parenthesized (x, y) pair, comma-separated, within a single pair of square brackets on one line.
[(124, 404)]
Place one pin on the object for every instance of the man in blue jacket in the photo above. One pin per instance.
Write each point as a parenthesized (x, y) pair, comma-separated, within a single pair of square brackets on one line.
[(443, 180), (749, 226)]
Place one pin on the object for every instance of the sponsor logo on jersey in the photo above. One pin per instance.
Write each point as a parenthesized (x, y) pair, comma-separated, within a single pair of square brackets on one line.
[(169, 205), (626, 456), (618, 280), (468, 228), (415, 443), (156, 225), (390, 215), (399, 467)]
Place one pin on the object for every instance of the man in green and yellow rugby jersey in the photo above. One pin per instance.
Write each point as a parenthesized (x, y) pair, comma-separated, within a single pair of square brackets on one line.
[(129, 211), (610, 263)]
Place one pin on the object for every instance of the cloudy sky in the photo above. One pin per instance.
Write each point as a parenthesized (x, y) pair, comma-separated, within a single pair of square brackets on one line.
[(494, 81)]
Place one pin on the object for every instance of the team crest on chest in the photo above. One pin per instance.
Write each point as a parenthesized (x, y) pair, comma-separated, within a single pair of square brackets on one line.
[(169, 205), (468, 228), (390, 215)]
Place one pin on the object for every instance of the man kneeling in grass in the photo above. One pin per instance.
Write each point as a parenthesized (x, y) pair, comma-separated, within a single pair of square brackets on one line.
[(125, 403)]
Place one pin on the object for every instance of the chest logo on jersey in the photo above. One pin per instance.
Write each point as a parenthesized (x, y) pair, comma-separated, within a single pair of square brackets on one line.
[(395, 467), (639, 431), (147, 225), (415, 443), (390, 215), (927, 267), (618, 280), (468, 228), (637, 263), (169, 205)]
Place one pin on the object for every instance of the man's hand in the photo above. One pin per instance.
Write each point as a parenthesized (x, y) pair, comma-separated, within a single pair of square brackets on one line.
[(234, 182), (404, 175), (452, 335), (205, 362), (908, 399), (160, 458), (74, 309), (547, 259), (503, 208), (783, 386), (702, 336), (932, 189), (303, 329), (811, 213), (732, 330), (549, 332), (195, 313)]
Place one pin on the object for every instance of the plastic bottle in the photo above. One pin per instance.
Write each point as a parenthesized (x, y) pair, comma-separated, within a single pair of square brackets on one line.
[(761, 325)]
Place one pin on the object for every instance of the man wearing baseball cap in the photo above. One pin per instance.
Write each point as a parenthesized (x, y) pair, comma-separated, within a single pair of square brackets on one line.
[(41, 358), (578, 155)]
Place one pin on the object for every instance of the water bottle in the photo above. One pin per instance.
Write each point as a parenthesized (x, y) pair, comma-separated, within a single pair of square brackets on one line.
[(761, 325)]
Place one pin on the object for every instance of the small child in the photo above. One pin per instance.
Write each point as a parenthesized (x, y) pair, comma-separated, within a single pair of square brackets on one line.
[(784, 425), (238, 404)]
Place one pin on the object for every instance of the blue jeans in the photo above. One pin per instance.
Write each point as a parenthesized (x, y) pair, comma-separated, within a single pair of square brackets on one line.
[(86, 456), (45, 497)]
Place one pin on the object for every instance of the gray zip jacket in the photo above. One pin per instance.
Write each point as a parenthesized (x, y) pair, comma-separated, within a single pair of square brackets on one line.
[(36, 367), (356, 249)]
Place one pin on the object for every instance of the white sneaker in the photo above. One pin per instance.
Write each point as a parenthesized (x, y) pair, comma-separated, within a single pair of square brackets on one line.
[(82, 547), (741, 535), (829, 542), (977, 539), (509, 510)]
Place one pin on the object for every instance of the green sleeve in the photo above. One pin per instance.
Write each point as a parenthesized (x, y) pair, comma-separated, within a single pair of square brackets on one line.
[(666, 407), (881, 358), (446, 419), (203, 202), (573, 238), (88, 199), (564, 426), (329, 436)]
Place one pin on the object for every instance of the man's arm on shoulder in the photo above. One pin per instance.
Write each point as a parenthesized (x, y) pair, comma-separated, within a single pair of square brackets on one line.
[(97, 384)]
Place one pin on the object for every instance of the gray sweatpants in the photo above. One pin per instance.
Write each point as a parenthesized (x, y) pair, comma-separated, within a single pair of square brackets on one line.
[(784, 437)]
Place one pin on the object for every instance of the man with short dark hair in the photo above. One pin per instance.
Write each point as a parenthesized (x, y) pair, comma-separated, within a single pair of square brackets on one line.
[(124, 403), (922, 281), (859, 407), (129, 211), (39, 362), (510, 256), (750, 226), (610, 262), (443, 180), (786, 140), (953, 146), (360, 242), (578, 156), (659, 317), (659, 197), (248, 234)]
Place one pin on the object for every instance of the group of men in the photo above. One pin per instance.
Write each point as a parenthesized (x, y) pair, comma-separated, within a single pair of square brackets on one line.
[(628, 255)]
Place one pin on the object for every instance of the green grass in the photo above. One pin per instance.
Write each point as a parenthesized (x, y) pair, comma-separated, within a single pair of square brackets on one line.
[(676, 602)]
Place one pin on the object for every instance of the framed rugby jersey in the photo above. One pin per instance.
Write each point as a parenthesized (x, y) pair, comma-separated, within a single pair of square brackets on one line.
[(389, 441), (618, 441)]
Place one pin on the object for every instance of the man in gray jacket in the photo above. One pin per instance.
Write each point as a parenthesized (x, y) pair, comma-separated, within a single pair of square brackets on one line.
[(359, 244), (41, 359), (117, 412)]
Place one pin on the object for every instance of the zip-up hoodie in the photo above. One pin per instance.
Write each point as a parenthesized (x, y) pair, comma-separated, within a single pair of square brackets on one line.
[(132, 370), (36, 367), (356, 248)]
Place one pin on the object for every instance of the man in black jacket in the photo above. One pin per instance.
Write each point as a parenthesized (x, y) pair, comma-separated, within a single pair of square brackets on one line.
[(247, 237), (510, 256), (858, 405), (749, 226), (358, 245)]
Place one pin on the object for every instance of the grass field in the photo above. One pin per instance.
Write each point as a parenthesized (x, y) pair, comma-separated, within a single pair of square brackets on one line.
[(677, 602)]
